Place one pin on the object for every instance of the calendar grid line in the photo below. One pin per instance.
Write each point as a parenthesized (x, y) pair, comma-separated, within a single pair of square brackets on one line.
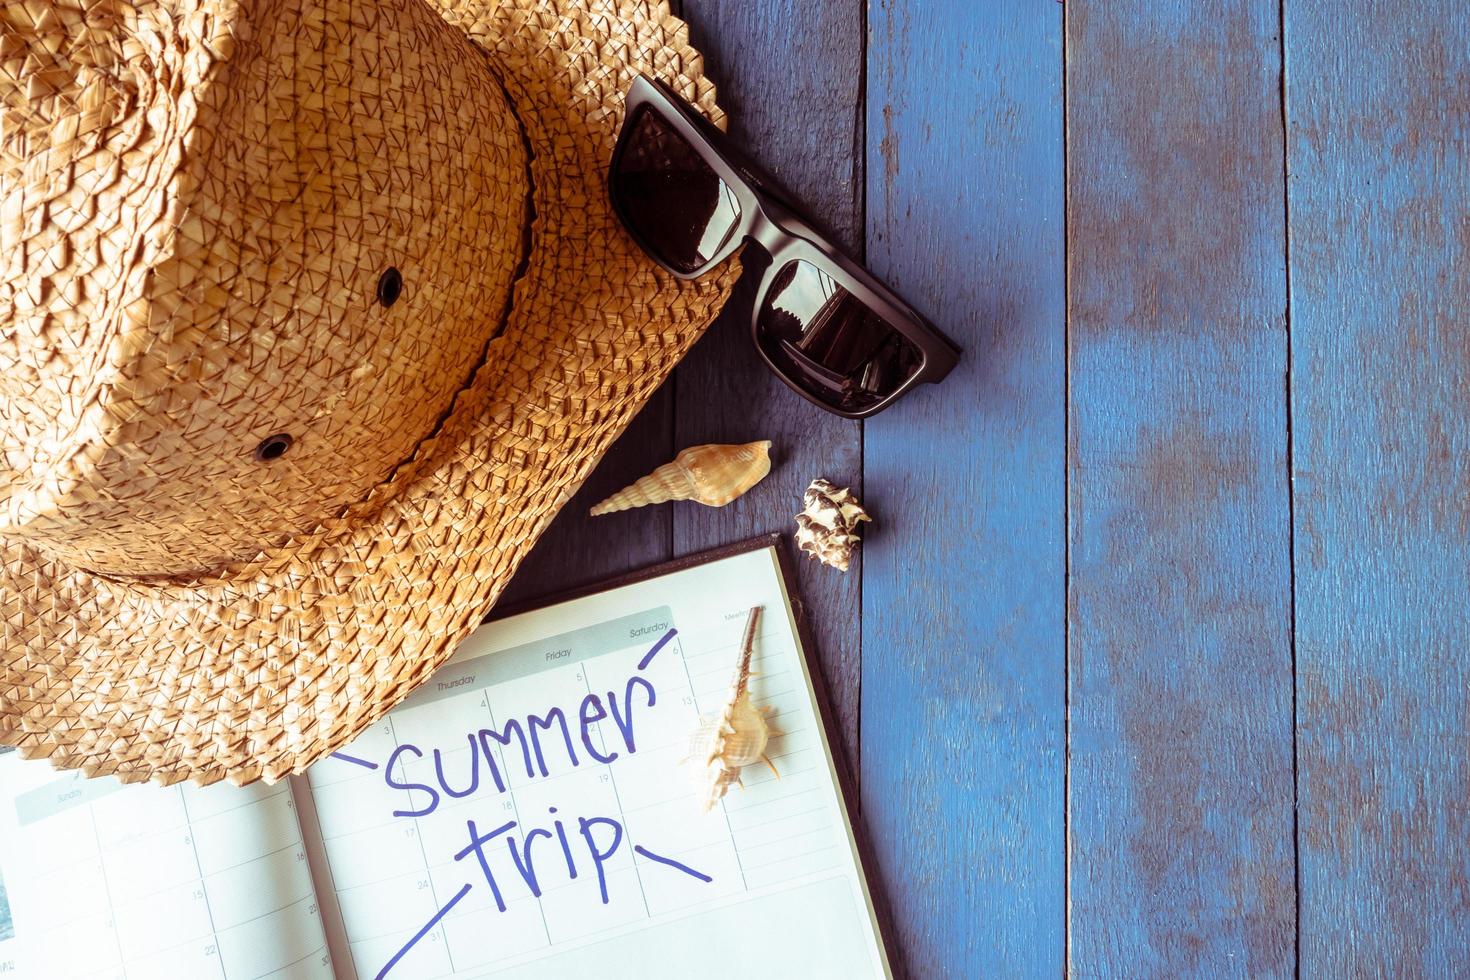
[(258, 857), (744, 884), (772, 779), (515, 808), (274, 792), (772, 863), (594, 792), (269, 912), (203, 888), (287, 966), (789, 816), (107, 890), (433, 892), (617, 797), (789, 837)]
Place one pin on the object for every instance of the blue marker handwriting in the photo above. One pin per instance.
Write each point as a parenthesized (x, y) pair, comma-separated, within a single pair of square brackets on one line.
[(531, 735), (584, 845), (600, 838)]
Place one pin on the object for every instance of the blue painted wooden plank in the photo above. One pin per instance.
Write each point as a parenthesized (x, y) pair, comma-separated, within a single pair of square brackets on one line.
[(1180, 683), (1378, 102), (963, 610), (788, 72)]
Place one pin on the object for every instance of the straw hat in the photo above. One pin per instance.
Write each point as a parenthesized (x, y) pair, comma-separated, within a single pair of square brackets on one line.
[(313, 314)]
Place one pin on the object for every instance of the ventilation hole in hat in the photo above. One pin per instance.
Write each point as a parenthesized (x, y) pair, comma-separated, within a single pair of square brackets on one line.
[(273, 447), (390, 286)]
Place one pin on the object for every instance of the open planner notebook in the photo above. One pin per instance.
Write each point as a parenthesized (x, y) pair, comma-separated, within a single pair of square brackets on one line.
[(524, 813)]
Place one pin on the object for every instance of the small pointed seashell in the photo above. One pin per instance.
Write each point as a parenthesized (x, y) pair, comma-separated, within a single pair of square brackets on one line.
[(712, 475), (826, 528)]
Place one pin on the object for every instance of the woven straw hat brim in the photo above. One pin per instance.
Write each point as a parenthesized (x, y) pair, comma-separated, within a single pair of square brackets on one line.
[(256, 670)]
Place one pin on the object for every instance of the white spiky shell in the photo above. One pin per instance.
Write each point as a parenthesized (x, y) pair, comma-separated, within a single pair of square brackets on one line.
[(734, 737), (734, 741), (712, 475), (726, 743)]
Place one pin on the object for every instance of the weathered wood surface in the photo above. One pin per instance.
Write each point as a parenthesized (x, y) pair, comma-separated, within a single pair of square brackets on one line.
[(789, 74), (1180, 606), (1086, 721), (963, 586), (1378, 111)]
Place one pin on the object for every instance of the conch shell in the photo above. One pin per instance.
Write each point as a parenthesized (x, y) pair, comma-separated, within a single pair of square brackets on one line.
[(712, 475), (737, 735), (827, 526)]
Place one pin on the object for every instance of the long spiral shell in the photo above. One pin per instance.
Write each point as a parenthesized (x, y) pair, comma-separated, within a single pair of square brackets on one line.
[(737, 735), (713, 475)]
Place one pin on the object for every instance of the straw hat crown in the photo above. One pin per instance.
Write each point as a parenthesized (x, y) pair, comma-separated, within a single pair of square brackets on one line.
[(314, 313), (251, 251)]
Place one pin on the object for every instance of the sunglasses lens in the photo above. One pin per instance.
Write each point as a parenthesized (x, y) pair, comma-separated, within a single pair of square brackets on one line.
[(829, 343), (676, 203)]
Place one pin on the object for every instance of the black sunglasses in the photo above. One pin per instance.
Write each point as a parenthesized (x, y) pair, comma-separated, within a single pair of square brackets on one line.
[(827, 327)]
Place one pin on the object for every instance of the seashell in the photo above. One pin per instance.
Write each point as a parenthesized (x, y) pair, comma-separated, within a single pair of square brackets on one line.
[(737, 735), (713, 475), (826, 528)]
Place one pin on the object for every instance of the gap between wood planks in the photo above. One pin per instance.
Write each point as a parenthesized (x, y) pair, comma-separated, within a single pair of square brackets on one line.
[(1296, 837)]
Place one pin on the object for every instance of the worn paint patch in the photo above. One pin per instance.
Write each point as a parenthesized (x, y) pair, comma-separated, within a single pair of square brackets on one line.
[(1180, 681), (963, 696), (1175, 184), (1379, 106)]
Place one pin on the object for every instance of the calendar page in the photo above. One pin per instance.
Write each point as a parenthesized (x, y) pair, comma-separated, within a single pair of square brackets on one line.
[(525, 813), (102, 880)]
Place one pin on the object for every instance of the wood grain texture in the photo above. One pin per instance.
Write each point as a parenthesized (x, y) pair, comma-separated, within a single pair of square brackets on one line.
[(1160, 428), (789, 74), (1378, 102), (963, 592), (1180, 682)]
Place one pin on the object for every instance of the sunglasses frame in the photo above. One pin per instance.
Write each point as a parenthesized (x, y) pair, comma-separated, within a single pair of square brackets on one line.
[(772, 222)]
